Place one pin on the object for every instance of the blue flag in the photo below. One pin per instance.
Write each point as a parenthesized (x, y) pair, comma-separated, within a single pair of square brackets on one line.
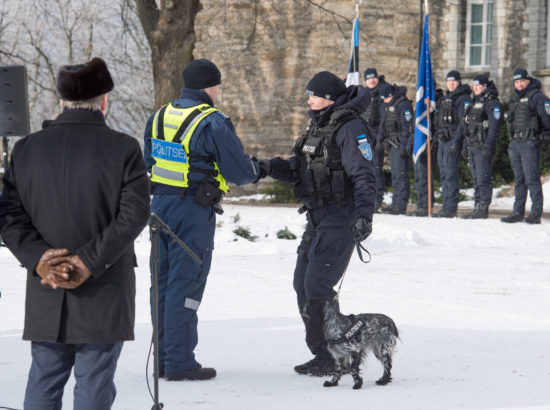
[(425, 89), (353, 72)]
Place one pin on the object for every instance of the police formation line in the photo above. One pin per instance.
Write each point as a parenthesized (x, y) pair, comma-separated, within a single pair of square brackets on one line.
[(466, 123), (72, 223)]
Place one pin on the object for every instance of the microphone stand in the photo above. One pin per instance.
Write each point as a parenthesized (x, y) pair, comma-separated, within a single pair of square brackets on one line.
[(156, 224)]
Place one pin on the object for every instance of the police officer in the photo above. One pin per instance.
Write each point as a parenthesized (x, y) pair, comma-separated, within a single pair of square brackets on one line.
[(372, 116), (333, 175), (527, 119), (396, 133), (482, 120), (191, 150), (450, 136)]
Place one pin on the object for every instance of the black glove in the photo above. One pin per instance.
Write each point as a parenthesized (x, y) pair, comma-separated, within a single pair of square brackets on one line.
[(453, 151), (379, 148), (403, 153), (265, 167), (361, 229)]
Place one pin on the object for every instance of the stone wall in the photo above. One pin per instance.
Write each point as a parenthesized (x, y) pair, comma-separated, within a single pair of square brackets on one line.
[(267, 51)]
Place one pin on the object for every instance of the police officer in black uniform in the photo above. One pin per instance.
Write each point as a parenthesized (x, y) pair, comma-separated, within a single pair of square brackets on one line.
[(396, 133), (527, 119), (372, 116), (333, 175), (450, 136), (482, 120)]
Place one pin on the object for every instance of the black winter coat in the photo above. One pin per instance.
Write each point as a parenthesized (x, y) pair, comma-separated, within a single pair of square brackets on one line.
[(77, 184)]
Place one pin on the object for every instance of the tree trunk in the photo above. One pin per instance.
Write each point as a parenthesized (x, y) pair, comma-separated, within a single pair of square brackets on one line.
[(171, 35)]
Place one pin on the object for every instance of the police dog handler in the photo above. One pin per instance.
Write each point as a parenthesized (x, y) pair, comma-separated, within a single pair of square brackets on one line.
[(333, 175), (75, 198), (191, 150)]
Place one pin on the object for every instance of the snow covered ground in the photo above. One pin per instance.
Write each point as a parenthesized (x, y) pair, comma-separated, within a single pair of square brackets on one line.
[(471, 300)]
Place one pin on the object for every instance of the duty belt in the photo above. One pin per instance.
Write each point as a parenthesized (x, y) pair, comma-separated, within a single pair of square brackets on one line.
[(528, 134)]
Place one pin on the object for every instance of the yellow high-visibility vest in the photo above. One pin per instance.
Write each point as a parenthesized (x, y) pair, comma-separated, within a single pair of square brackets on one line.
[(172, 130)]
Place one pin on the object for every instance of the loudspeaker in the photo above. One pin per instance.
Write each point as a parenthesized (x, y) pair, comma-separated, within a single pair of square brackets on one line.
[(14, 101)]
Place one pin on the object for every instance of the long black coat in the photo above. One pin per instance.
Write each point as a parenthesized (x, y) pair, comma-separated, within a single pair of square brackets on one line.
[(77, 184)]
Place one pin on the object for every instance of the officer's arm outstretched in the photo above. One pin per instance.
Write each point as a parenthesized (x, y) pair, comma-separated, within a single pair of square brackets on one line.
[(221, 141)]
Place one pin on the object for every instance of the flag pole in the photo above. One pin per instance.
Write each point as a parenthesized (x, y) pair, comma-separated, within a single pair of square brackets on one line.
[(428, 146)]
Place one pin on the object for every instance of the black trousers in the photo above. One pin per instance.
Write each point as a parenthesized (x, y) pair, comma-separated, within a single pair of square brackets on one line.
[(323, 256)]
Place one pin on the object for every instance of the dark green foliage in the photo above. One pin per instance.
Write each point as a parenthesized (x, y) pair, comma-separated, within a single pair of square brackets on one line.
[(245, 233), (285, 234), (281, 193)]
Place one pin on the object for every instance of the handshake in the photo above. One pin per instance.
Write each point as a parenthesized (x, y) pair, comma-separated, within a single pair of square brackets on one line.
[(264, 166), (60, 270)]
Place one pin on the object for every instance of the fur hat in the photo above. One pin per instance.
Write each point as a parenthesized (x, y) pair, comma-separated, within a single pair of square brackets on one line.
[(326, 85), (84, 81), (201, 74)]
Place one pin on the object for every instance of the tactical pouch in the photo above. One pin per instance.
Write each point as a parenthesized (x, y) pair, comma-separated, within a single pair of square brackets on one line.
[(338, 184), (208, 193), (545, 136)]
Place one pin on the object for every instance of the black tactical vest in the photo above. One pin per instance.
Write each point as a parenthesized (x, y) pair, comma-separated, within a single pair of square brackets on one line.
[(392, 123), (320, 171), (372, 114), (447, 117), (476, 122), (522, 120)]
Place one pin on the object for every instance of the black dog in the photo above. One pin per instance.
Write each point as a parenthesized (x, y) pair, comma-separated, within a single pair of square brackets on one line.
[(349, 338)]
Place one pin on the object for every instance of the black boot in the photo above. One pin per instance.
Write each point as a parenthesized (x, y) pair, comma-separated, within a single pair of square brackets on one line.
[(196, 373), (512, 218), (445, 213), (533, 219), (481, 211), (418, 212), (323, 363), (469, 216)]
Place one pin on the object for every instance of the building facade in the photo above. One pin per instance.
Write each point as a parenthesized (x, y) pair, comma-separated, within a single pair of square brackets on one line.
[(268, 50)]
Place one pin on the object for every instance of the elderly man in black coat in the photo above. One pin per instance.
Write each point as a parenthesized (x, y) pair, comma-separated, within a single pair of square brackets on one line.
[(75, 198)]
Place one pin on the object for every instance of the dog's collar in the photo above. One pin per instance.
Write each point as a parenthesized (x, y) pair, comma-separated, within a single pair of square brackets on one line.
[(348, 334)]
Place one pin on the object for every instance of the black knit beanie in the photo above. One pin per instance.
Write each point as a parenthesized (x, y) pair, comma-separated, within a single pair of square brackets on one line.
[(201, 74), (326, 85), (481, 79), (453, 75)]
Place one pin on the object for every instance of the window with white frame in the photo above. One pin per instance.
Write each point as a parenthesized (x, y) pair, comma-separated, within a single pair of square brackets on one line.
[(478, 37)]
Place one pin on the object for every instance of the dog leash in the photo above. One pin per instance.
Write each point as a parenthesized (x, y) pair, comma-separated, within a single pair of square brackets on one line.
[(360, 247)]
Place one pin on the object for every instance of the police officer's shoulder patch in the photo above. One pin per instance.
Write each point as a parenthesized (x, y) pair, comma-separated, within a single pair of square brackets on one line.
[(466, 104), (547, 107), (364, 146), (496, 113), (408, 115)]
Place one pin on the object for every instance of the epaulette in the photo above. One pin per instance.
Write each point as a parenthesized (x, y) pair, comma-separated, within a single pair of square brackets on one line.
[(225, 117)]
